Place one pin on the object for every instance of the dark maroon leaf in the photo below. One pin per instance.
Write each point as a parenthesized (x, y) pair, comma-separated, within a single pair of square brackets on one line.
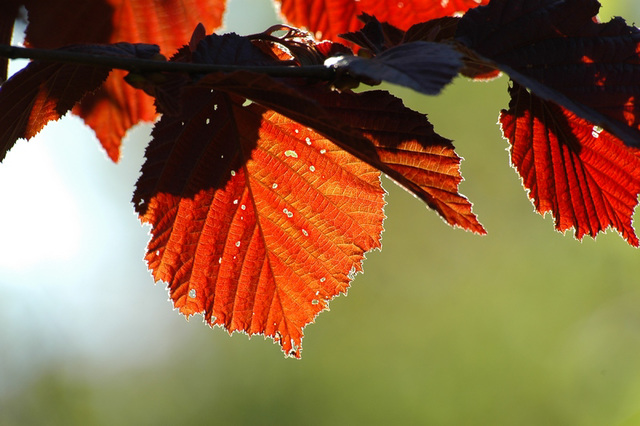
[(422, 66), (559, 51)]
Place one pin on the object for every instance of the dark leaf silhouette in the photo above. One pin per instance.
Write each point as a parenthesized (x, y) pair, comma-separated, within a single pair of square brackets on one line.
[(378, 37), (422, 66), (558, 50), (586, 177), (42, 92)]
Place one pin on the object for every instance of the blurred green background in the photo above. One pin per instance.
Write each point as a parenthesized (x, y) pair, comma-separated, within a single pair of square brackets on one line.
[(523, 326)]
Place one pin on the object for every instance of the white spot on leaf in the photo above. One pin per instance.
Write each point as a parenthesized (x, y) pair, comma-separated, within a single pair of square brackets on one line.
[(192, 293), (596, 131), (291, 153)]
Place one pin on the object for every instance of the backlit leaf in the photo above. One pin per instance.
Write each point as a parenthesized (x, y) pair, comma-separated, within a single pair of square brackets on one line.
[(264, 194), (45, 91), (257, 221), (329, 18), (116, 106), (586, 177)]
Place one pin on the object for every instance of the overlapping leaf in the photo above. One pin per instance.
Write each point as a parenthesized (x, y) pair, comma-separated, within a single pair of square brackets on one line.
[(388, 44), (42, 92), (584, 175), (330, 18), (116, 107), (262, 211), (376, 128)]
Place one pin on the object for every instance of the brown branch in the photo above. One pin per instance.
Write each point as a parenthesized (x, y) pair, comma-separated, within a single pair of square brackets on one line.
[(137, 65)]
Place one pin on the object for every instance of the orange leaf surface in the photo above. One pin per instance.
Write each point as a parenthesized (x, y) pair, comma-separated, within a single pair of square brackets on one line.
[(330, 18), (587, 178), (257, 221), (117, 106)]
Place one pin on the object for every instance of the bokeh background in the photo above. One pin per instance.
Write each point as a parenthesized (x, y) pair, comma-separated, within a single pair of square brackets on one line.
[(523, 326)]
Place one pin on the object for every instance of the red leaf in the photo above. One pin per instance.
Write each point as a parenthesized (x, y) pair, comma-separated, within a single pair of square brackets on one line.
[(587, 178), (559, 51), (117, 107), (329, 18), (42, 92), (257, 221)]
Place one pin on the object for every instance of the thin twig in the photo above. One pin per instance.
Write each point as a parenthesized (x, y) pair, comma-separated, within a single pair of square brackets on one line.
[(137, 65)]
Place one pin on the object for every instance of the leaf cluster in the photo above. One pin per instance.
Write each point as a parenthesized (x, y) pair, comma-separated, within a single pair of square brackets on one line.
[(262, 179)]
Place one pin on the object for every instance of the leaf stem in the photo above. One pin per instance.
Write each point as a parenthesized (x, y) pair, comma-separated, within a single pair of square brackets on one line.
[(138, 65)]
